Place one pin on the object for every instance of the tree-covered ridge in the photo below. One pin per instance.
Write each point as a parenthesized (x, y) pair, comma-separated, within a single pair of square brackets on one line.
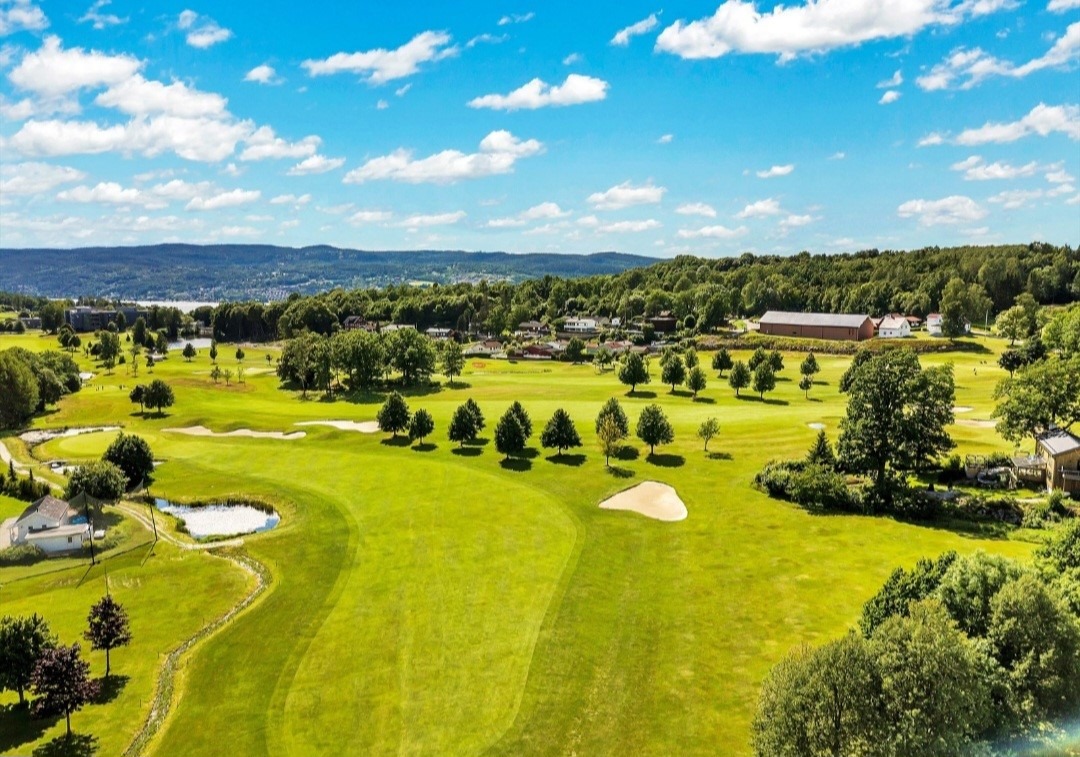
[(985, 280)]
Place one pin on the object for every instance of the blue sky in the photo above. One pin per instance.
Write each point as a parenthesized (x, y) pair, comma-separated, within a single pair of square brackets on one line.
[(698, 127)]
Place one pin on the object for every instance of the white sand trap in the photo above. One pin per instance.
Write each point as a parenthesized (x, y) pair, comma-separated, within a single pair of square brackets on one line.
[(204, 431), (651, 499), (962, 409), (816, 426), (44, 435), (85, 376), (364, 427), (974, 423)]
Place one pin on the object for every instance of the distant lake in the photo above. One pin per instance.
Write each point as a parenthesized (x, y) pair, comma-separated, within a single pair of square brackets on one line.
[(184, 306), (202, 343)]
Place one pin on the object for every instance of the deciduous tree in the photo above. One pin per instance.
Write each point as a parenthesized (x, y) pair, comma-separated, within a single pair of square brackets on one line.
[(654, 428), (609, 435), (708, 430), (764, 379), (633, 371), (559, 433), (132, 455), (739, 378), (61, 682), (674, 372), (421, 425), (22, 640), (108, 628), (509, 435), (722, 361), (462, 425), (393, 416)]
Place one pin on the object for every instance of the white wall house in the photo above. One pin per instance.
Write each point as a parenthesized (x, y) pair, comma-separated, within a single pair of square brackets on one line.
[(933, 324), (581, 325), (50, 524), (894, 328)]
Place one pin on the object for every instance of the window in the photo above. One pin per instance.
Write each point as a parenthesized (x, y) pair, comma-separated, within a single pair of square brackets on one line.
[(69, 540)]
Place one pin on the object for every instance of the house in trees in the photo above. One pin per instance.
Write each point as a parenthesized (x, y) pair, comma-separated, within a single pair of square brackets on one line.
[(894, 327), (487, 348), (664, 323), (839, 326), (439, 334), (531, 330), (933, 324), (84, 318), (50, 524), (1061, 452), (358, 323)]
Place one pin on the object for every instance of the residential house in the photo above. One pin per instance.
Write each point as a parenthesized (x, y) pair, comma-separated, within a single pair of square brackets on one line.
[(933, 324), (49, 524), (439, 334), (664, 323), (486, 348), (1061, 451), (893, 327)]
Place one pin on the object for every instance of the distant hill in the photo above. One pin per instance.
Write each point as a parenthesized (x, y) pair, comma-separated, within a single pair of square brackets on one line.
[(264, 272)]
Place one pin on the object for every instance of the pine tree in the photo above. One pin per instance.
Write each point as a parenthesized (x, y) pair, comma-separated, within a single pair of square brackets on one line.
[(478, 416), (523, 419), (821, 452)]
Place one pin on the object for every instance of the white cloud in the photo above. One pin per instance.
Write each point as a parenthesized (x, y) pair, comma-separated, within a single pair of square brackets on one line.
[(30, 107), (932, 139), (1042, 120), (696, 209), (977, 169), (966, 68), (889, 97), (498, 152), (138, 96), (110, 193), (101, 20), (263, 74), (490, 39), (1060, 6), (400, 91), (948, 210), (837, 156), (1058, 175), (291, 199), (543, 211), (571, 59), (774, 171), (665, 139), (712, 232), (178, 189), (761, 209), (1074, 200), (577, 89), (335, 210), (316, 164), (35, 178), (382, 105), (588, 221), (1013, 199), (795, 221), (52, 71), (19, 15), (516, 18), (629, 227), (437, 219), (230, 199), (202, 31), (894, 81), (381, 65), (626, 194), (737, 26), (263, 144), (645, 25), (361, 217)]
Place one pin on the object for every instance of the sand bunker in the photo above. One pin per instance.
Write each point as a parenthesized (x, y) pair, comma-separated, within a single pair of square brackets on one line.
[(204, 431), (44, 435), (816, 426), (651, 499), (961, 409), (974, 423), (364, 427)]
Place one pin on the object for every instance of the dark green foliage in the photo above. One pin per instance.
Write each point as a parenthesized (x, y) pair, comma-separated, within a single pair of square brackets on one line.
[(821, 452), (100, 479), (575, 350), (523, 418), (19, 400), (654, 428), (633, 371), (61, 682), (108, 628), (614, 410), (674, 372), (158, 395), (903, 588), (421, 425), (22, 640), (393, 416), (412, 354), (189, 352), (1040, 396), (478, 416), (776, 361), (451, 359), (559, 433), (862, 356), (132, 455), (22, 554), (809, 365), (739, 378), (764, 379), (813, 486), (462, 425), (695, 380), (510, 437), (806, 383), (759, 357), (722, 361), (138, 394)]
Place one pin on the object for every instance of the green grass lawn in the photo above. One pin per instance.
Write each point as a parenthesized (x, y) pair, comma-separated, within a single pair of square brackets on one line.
[(428, 601)]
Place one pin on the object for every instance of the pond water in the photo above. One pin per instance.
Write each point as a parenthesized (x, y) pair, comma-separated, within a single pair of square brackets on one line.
[(199, 343), (220, 520)]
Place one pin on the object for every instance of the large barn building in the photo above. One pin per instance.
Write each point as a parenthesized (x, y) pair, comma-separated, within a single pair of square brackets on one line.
[(853, 328)]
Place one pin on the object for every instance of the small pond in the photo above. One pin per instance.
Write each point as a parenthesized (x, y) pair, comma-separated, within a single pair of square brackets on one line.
[(220, 520)]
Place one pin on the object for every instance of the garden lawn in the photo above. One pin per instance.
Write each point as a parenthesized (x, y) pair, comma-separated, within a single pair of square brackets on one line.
[(438, 601)]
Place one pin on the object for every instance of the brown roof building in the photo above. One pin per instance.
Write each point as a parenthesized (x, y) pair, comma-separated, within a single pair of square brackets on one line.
[(853, 328)]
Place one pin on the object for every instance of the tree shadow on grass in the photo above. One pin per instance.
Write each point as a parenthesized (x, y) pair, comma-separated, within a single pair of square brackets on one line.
[(516, 464), (575, 461), (618, 472), (17, 727), (705, 400), (680, 393), (480, 441), (642, 395), (719, 455), (396, 441), (765, 401), (110, 688), (425, 447), (466, 451), (666, 460), (627, 453), (75, 745), (529, 453)]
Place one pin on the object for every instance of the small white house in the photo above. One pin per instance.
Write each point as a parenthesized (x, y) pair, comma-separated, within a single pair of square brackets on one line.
[(581, 325), (894, 328), (933, 324), (50, 524), (439, 334)]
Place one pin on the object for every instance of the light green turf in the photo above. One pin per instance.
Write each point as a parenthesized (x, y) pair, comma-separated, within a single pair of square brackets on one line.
[(431, 602)]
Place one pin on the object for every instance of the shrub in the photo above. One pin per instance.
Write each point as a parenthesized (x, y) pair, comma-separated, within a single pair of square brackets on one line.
[(815, 487), (21, 554)]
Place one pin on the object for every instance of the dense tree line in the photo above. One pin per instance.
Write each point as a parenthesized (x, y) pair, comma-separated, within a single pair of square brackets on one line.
[(32, 380), (963, 282)]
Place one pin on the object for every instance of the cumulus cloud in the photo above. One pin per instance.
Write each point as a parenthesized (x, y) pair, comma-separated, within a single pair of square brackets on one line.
[(761, 209), (1041, 120), (696, 209), (316, 164), (976, 168), (946, 211), (516, 18), (498, 153), (712, 232), (775, 171), (1060, 6), (894, 81), (362, 217), (202, 31), (966, 68), (625, 195), (99, 20), (795, 221), (262, 74), (291, 199), (420, 220), (644, 26), (52, 71), (264, 144), (665, 139), (629, 227), (138, 96), (577, 89), (18, 15), (788, 30), (1014, 199), (34, 178), (889, 97), (110, 193), (230, 199), (382, 65)]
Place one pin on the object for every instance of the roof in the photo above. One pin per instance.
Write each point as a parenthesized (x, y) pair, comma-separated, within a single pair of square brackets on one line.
[(75, 529), (892, 323), (843, 320), (49, 506), (1058, 441)]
